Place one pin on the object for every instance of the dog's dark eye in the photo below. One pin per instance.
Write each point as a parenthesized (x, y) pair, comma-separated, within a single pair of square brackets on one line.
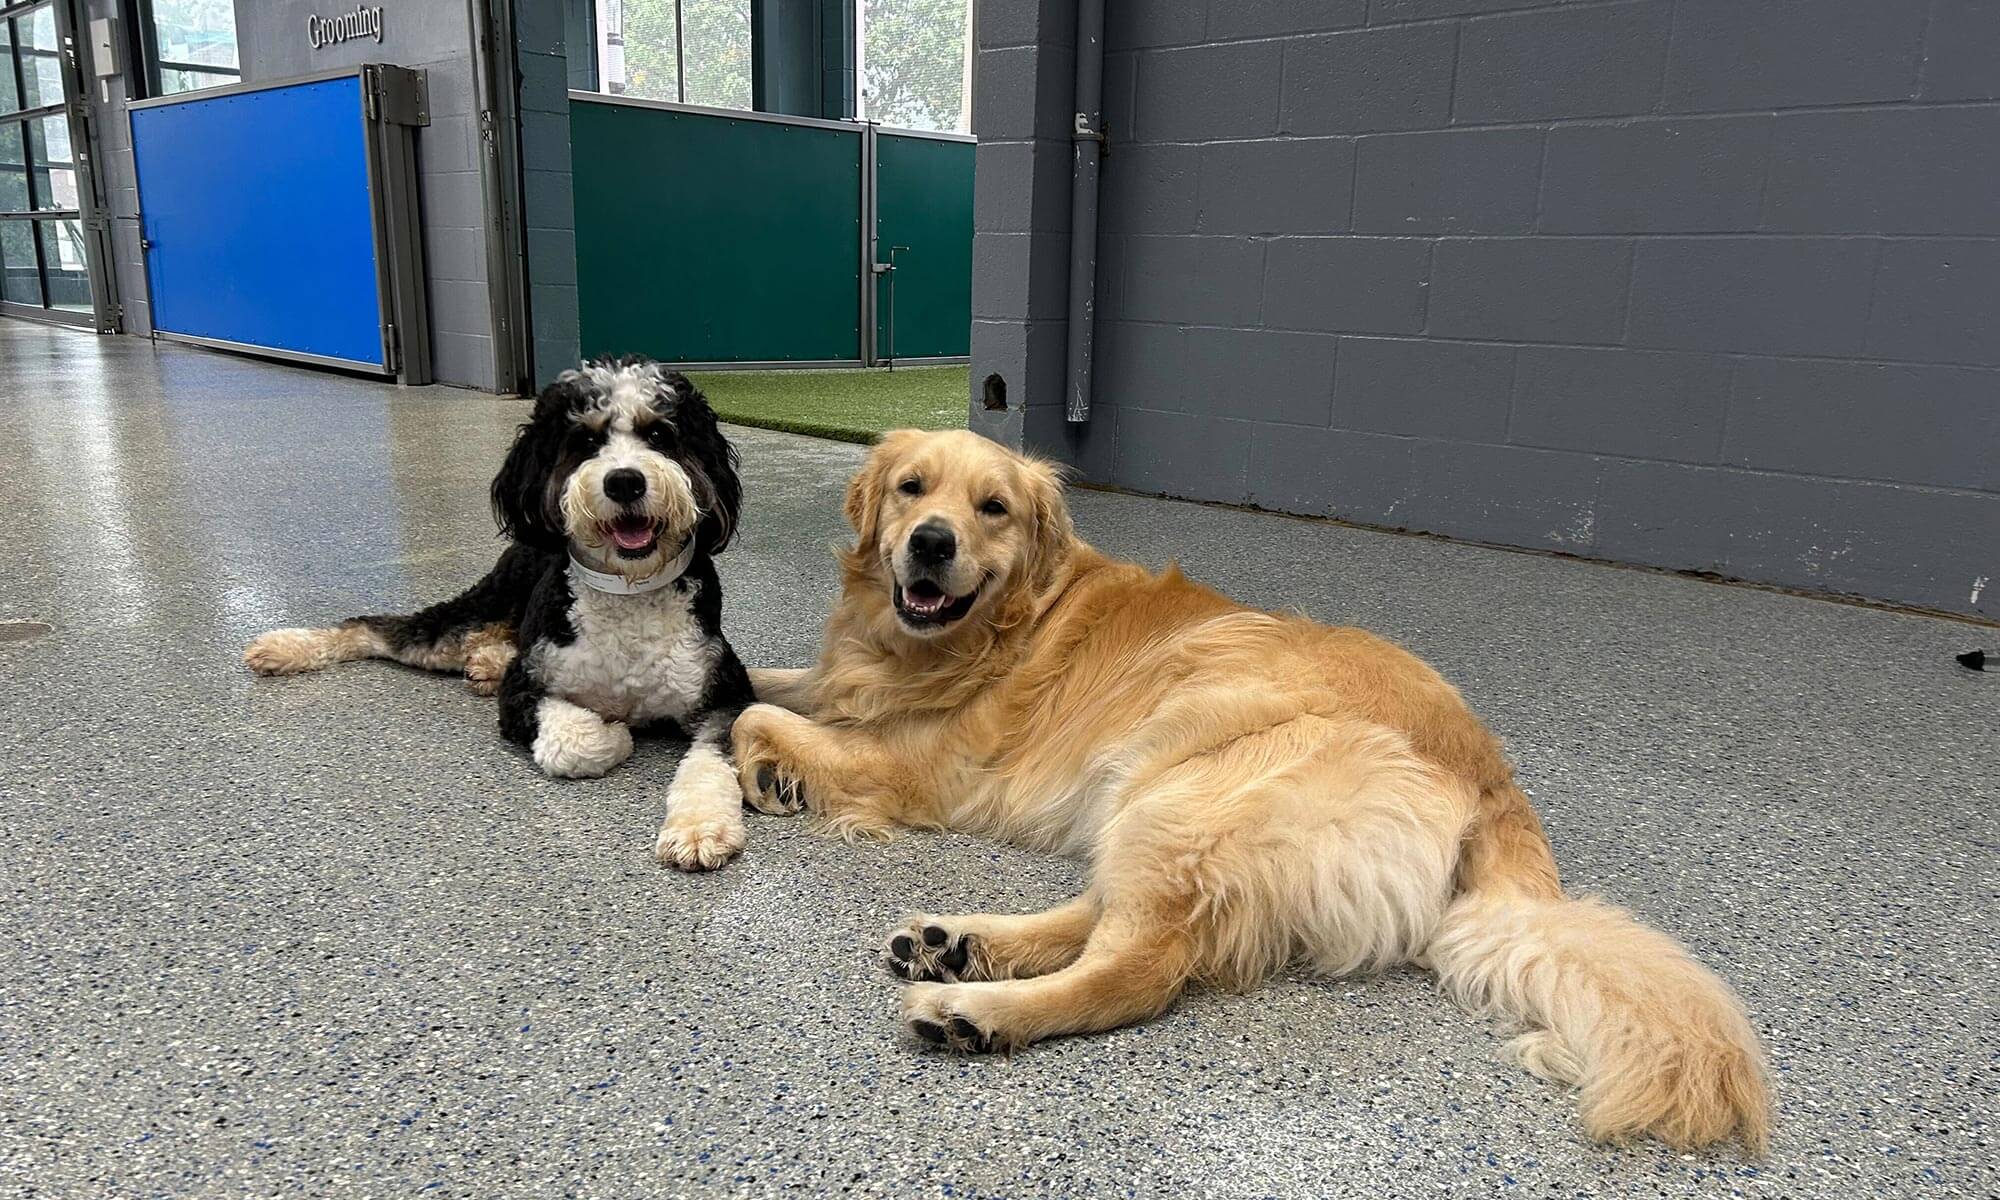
[(994, 508), (659, 433), (911, 487)]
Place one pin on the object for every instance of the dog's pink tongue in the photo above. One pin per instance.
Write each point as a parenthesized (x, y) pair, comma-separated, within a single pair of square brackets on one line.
[(632, 535)]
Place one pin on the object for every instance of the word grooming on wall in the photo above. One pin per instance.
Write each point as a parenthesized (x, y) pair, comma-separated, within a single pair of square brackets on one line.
[(363, 22)]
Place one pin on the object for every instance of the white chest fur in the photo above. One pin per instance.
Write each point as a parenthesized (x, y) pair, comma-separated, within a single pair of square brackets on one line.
[(635, 658)]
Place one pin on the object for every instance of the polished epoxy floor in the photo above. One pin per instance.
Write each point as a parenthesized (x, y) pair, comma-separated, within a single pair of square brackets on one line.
[(330, 937)]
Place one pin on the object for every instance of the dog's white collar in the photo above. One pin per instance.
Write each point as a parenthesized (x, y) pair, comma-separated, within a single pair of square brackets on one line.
[(618, 585)]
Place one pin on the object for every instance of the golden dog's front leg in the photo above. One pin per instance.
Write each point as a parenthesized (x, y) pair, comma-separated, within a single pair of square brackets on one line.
[(786, 687), (787, 763)]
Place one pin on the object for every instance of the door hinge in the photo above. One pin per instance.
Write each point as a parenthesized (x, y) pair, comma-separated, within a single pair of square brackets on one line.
[(397, 95), (392, 347)]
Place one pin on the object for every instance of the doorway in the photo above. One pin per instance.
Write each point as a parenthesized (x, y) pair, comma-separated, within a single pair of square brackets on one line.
[(52, 251)]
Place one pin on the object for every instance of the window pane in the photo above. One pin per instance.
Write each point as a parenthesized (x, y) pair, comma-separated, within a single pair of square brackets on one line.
[(13, 169), (10, 96), (198, 32), (54, 170), (913, 64), (62, 257), (580, 35), (19, 281), (174, 80), (718, 51), (41, 58), (648, 41)]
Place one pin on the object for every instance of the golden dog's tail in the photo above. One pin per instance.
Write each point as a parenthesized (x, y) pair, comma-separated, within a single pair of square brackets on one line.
[(1656, 1043)]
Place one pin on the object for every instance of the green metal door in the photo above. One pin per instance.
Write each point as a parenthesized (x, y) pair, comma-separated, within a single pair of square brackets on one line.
[(923, 205)]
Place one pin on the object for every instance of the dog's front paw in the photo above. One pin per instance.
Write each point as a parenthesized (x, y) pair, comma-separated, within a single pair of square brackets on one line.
[(772, 793), (572, 742), (923, 950), (486, 666), (767, 786), (931, 1012), (704, 826), (701, 844)]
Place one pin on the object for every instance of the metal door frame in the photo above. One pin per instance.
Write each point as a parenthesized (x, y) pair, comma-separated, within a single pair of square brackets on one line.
[(91, 214), (496, 106)]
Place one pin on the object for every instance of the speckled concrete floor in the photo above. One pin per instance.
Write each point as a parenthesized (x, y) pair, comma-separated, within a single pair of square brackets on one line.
[(329, 937)]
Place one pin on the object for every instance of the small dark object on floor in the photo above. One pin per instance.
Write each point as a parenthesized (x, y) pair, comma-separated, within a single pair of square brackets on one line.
[(1973, 660)]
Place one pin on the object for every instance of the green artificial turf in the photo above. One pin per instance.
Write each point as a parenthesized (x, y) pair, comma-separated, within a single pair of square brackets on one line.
[(852, 406)]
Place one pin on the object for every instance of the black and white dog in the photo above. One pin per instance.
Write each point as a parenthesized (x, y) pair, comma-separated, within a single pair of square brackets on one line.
[(615, 496)]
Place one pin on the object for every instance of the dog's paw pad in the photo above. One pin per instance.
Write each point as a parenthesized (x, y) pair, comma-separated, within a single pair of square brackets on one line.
[(778, 795), (924, 951), (954, 1032)]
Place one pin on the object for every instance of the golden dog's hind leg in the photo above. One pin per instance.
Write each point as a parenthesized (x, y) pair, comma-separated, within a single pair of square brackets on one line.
[(975, 946), (787, 763), (1134, 964)]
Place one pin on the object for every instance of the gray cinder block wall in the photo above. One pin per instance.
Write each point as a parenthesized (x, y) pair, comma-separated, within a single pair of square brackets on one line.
[(1698, 284), (548, 203)]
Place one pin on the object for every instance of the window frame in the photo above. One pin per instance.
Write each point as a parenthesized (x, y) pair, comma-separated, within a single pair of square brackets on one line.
[(146, 34), (38, 217)]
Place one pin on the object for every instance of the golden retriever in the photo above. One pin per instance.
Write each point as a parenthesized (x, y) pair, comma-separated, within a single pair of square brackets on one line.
[(1250, 789)]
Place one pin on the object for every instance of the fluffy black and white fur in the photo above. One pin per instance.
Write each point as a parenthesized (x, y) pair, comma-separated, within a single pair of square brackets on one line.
[(604, 612)]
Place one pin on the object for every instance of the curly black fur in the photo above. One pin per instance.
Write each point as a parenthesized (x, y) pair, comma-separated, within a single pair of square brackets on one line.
[(530, 589)]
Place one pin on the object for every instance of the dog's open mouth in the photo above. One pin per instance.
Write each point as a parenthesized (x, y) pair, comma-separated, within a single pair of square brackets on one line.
[(633, 535), (926, 604)]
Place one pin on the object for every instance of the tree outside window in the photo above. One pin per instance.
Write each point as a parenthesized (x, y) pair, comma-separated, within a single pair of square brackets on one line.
[(913, 63), (913, 56), (193, 44), (717, 52)]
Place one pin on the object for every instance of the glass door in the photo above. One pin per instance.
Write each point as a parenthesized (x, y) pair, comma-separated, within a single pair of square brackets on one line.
[(49, 254)]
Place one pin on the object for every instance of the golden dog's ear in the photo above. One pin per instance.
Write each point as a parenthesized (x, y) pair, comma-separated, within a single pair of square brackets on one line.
[(1055, 532), (864, 491)]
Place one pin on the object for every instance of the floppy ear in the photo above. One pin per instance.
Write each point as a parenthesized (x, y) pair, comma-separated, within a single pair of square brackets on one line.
[(1055, 532), (520, 490), (715, 462), (864, 491)]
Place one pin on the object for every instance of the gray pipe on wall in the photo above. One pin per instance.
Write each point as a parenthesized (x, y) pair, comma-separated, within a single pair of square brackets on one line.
[(1087, 138)]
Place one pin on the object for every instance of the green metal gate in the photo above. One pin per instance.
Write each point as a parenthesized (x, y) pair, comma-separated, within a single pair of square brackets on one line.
[(716, 237), (923, 229)]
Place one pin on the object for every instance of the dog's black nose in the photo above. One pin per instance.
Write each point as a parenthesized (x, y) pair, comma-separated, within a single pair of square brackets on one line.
[(932, 544), (624, 485)]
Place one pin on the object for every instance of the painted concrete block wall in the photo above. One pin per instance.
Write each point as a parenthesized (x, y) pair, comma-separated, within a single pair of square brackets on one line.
[(1701, 284), (548, 204), (1023, 75), (272, 44)]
